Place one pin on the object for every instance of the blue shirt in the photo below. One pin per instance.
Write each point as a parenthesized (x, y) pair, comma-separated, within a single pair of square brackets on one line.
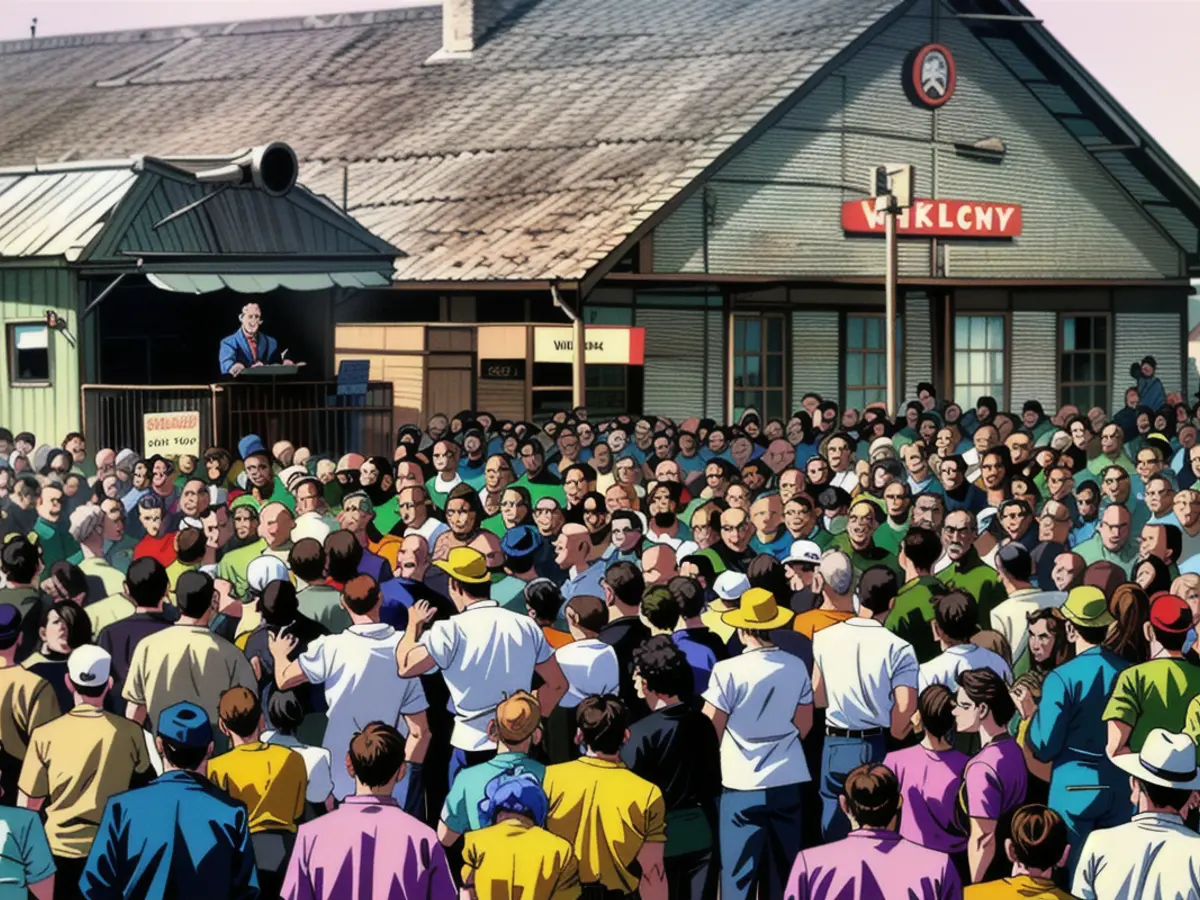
[(700, 658), (778, 548), (461, 812), (585, 583), (24, 852), (179, 836)]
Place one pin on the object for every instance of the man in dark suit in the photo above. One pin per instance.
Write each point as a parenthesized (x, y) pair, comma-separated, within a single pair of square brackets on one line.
[(248, 346)]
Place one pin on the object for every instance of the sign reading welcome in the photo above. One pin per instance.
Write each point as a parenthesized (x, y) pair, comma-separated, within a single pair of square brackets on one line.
[(937, 218), (611, 345)]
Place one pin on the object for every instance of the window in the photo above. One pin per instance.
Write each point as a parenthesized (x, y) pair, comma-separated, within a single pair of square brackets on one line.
[(978, 359), (29, 354), (866, 360), (1083, 367), (758, 366), (607, 394)]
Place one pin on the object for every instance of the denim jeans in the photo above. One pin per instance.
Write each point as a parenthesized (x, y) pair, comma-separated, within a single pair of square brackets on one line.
[(840, 757), (759, 840)]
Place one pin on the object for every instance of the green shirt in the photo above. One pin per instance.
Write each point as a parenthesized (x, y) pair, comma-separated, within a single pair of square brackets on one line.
[(538, 491), (56, 544), (1151, 695), (889, 536), (323, 604), (1098, 464), (912, 612), (977, 578), (1093, 550), (234, 564), (864, 559)]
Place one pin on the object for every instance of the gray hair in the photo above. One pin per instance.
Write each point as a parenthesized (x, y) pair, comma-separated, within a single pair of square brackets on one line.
[(837, 571), (86, 521), (362, 500)]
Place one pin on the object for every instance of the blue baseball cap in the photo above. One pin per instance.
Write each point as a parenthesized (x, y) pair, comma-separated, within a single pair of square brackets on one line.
[(520, 541), (251, 445), (185, 724)]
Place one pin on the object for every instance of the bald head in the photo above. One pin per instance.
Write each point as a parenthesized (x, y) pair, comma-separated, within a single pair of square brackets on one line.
[(736, 529), (571, 546), (1114, 527), (413, 559), (658, 565)]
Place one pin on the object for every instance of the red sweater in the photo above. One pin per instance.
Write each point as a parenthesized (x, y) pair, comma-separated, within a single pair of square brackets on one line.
[(160, 548)]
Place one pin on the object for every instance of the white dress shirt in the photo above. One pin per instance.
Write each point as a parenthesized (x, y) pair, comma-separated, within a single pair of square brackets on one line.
[(1153, 857), (1010, 617), (590, 667), (947, 665), (861, 664)]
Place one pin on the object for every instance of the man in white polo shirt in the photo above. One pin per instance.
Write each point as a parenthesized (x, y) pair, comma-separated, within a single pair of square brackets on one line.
[(866, 678), (761, 704), (485, 654)]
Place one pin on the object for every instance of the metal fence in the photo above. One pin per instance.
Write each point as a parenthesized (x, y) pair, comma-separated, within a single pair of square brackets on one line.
[(309, 414)]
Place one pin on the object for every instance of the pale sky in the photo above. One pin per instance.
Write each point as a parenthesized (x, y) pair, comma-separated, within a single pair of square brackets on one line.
[(1143, 51)]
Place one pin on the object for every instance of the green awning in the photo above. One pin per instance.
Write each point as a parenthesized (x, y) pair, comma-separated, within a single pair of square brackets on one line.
[(262, 284)]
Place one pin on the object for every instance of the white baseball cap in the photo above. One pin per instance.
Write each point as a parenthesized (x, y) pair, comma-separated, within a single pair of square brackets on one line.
[(804, 552), (731, 585), (263, 570), (89, 665)]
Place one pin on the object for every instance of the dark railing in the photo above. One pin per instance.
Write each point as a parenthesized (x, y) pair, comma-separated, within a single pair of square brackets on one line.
[(307, 413)]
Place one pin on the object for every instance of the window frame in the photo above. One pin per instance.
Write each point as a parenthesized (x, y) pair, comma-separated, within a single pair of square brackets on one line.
[(1006, 377), (1063, 384), (762, 354), (10, 338), (845, 351)]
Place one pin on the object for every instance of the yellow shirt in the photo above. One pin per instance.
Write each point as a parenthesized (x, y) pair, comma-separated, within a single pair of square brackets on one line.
[(26, 701), (271, 780), (512, 859), (809, 623), (607, 813), (185, 662), (111, 609), (711, 617), (174, 570), (112, 578), (1019, 887), (77, 762)]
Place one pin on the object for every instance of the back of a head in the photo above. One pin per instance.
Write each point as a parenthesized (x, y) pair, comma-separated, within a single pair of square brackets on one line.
[(768, 573), (1014, 561), (190, 545), (286, 711), (146, 582), (193, 593), (1039, 836), (956, 614), (873, 795), (19, 560), (279, 604), (660, 608), (307, 560), (922, 547), (984, 686), (376, 754), (591, 613), (240, 711), (837, 572), (518, 716), (936, 706), (663, 667), (877, 588), (515, 792), (343, 554), (545, 598), (688, 594), (625, 580), (602, 721), (361, 594)]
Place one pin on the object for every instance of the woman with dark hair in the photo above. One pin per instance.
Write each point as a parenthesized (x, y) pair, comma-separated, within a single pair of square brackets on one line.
[(883, 473), (1048, 646), (464, 516), (376, 479), (1130, 606), (995, 474), (62, 627), (1152, 576)]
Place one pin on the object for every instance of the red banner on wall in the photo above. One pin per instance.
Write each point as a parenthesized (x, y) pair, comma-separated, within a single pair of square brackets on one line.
[(937, 218)]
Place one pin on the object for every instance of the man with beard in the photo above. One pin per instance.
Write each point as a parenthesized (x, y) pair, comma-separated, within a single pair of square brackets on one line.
[(665, 526), (967, 572), (217, 463), (858, 541)]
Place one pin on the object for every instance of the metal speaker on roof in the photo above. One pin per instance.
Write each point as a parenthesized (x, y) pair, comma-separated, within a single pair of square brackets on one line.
[(272, 168)]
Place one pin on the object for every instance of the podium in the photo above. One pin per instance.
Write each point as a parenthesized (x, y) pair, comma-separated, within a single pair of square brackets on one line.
[(265, 372)]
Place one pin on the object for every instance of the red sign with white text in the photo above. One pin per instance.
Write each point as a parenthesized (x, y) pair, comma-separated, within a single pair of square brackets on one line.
[(937, 218)]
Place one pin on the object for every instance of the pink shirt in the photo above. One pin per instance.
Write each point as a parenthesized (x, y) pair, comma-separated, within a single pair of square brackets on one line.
[(367, 849), (873, 865), (929, 783)]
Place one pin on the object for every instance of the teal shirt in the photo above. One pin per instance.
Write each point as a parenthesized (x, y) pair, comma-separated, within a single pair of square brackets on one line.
[(777, 548), (461, 812), (509, 592), (1093, 550), (25, 853), (56, 544)]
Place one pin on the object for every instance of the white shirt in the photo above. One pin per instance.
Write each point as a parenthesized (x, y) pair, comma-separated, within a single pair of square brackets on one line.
[(443, 486), (358, 671), (1153, 857), (1009, 617), (681, 547), (861, 664), (314, 525), (590, 667), (759, 691), (947, 665), (431, 530), (317, 761), (485, 654), (847, 481)]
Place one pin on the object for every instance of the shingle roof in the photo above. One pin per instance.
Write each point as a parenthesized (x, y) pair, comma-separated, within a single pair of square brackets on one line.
[(572, 124)]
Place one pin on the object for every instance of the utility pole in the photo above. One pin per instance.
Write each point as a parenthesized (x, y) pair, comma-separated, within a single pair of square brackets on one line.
[(892, 187)]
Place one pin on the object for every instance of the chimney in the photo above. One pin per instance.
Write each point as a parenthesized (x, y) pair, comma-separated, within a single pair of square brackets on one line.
[(466, 23)]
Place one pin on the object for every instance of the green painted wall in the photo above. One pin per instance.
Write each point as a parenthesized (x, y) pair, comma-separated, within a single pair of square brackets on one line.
[(50, 412)]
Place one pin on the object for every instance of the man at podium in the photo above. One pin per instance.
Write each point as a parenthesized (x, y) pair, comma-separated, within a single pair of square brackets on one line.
[(248, 347)]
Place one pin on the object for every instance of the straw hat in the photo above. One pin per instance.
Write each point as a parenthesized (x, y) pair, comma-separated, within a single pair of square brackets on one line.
[(758, 612)]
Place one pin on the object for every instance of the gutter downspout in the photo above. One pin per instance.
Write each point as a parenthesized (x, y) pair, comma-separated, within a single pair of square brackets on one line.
[(578, 381)]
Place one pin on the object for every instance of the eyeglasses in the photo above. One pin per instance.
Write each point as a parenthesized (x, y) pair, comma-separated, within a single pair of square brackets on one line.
[(544, 511), (732, 528)]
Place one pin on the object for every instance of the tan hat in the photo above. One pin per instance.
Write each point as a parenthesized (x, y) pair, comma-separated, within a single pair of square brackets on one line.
[(517, 717), (758, 612), (1086, 607)]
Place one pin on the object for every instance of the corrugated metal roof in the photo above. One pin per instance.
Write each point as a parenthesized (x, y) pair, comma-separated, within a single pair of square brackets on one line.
[(57, 213), (536, 158)]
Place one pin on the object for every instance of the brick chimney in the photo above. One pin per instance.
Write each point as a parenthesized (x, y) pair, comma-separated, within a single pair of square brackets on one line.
[(465, 23)]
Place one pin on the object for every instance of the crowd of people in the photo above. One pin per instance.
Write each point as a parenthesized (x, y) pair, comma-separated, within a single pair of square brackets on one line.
[(950, 654)]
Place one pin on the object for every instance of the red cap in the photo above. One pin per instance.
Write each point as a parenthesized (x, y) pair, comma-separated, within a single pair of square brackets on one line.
[(1170, 614)]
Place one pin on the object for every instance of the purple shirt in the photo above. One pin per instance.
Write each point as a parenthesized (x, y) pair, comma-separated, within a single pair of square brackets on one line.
[(873, 865), (375, 566), (929, 783), (996, 780), (367, 849)]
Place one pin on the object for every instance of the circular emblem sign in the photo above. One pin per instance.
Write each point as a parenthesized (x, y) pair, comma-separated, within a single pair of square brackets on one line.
[(933, 75)]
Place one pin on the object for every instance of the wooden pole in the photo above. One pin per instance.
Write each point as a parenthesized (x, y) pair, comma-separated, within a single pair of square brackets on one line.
[(890, 311)]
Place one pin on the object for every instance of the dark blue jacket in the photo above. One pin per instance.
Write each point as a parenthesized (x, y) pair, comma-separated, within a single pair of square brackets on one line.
[(180, 837), (236, 349)]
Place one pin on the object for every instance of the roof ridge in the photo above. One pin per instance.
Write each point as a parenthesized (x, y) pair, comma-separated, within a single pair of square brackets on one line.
[(515, 148)]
